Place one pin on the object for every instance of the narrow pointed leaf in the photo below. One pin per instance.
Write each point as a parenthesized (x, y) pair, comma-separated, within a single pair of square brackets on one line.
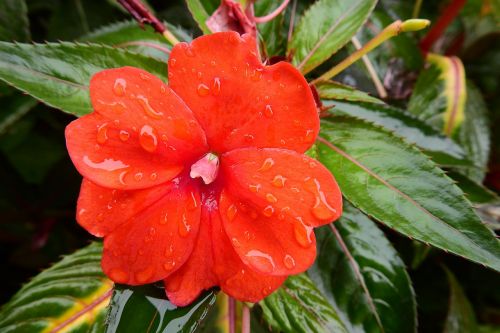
[(298, 306), (440, 94), (338, 91), (324, 28), (461, 317), (146, 309), (71, 296), (200, 14), (442, 149), (367, 280), (475, 192), (58, 74), (398, 185), (14, 24)]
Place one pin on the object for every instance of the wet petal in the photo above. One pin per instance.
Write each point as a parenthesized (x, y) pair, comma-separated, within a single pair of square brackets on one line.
[(142, 134), (265, 243), (156, 242), (101, 210), (240, 102), (282, 184)]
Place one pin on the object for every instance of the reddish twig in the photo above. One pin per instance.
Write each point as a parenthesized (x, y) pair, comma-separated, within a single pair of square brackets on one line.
[(449, 13), (270, 16)]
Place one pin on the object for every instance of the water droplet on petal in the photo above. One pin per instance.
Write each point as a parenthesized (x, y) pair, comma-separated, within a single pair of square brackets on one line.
[(138, 176), (118, 275), (148, 139), (148, 109), (124, 135), (153, 176), (268, 211), (279, 181), (231, 212), (164, 219), (249, 137), (303, 234), (169, 265), (268, 112), (261, 261), (309, 136), (256, 75), (144, 275), (271, 198), (102, 134), (203, 90), (254, 188), (268, 163), (236, 243), (144, 76), (172, 62), (284, 211), (289, 261), (163, 89), (321, 209), (189, 51), (216, 86), (119, 87), (184, 227)]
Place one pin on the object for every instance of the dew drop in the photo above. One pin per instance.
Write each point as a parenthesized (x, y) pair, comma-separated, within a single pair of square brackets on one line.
[(148, 139), (102, 133), (172, 62), (124, 135), (148, 109), (164, 219), (309, 136), (213, 63), (268, 111), (118, 275), (216, 86), (279, 181), (249, 137), (236, 243), (164, 137), (203, 90), (254, 188), (283, 213), (144, 275), (261, 261), (199, 75), (231, 212), (268, 211), (268, 163), (138, 176), (163, 89), (169, 265), (189, 51), (153, 176), (321, 209), (256, 75), (119, 87), (289, 261), (266, 291), (303, 234), (271, 198), (121, 177), (184, 227), (144, 76)]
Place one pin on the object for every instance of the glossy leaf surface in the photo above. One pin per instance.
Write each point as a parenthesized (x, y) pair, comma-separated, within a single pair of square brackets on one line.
[(324, 28), (338, 91), (146, 309), (70, 296), (442, 149), (299, 307), (58, 73), (399, 186), (364, 277)]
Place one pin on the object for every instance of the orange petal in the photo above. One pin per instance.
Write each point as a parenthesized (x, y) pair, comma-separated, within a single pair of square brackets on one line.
[(235, 278), (141, 134), (282, 185), (240, 102), (266, 244), (101, 210), (157, 241)]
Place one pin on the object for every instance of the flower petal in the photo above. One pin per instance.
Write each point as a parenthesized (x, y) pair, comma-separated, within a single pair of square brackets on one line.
[(282, 184), (214, 262), (268, 245), (237, 100), (101, 210), (141, 134), (235, 278), (157, 241)]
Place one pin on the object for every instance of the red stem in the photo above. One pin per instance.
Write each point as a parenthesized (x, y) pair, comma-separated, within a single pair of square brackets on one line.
[(142, 15), (449, 13), (232, 314)]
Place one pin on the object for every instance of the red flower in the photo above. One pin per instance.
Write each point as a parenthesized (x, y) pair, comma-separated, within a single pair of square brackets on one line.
[(203, 182)]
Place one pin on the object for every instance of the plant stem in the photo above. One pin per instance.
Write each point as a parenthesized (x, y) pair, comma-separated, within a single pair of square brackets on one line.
[(273, 14), (390, 31), (142, 15), (437, 30), (232, 314), (416, 8), (245, 321), (371, 71)]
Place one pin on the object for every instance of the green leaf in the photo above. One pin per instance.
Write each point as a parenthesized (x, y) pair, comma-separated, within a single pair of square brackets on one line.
[(272, 34), (14, 24), (298, 306), (324, 28), (129, 35), (474, 134), (475, 192), (58, 74), (399, 186), (146, 309), (72, 296), (460, 318), (338, 91), (442, 149), (440, 94), (14, 107), (200, 14), (360, 272)]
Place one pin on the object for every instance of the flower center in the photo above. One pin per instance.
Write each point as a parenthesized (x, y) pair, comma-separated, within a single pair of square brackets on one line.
[(206, 167)]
